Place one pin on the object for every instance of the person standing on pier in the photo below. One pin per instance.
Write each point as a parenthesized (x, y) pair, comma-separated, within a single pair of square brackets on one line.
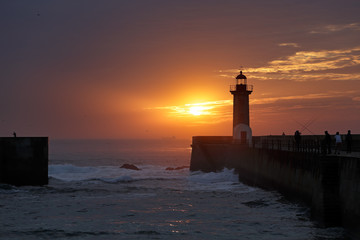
[(348, 140), (338, 142), (297, 137), (327, 142)]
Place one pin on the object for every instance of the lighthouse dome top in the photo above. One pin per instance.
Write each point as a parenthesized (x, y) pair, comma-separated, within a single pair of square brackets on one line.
[(241, 76)]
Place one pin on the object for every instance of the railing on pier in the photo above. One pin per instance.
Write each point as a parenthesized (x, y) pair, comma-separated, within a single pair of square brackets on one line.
[(308, 143), (287, 143)]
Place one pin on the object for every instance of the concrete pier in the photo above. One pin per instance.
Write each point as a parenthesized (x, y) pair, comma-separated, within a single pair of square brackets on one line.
[(329, 184), (24, 160)]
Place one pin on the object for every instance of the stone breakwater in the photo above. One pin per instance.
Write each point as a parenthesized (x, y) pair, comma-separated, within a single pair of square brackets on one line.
[(329, 184), (24, 160)]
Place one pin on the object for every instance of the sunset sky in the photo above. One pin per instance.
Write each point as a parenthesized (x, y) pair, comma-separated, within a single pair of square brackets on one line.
[(161, 68)]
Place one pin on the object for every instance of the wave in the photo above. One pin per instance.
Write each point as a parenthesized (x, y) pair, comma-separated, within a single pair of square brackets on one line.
[(122, 179), (183, 179), (57, 233), (226, 180), (112, 174), (7, 188)]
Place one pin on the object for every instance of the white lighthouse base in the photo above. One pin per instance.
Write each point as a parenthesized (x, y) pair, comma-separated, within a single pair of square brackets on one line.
[(242, 134)]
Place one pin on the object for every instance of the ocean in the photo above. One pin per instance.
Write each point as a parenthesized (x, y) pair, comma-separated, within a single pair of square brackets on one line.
[(90, 197)]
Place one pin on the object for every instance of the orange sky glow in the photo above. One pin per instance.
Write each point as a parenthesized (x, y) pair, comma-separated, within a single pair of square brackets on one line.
[(155, 69)]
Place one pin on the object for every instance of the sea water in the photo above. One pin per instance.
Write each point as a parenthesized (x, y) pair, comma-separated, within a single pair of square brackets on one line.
[(90, 197)]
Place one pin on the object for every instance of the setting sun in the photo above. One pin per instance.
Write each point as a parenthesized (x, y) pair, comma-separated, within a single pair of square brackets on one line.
[(196, 110)]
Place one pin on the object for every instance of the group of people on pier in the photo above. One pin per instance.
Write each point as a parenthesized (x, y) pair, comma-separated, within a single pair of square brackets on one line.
[(327, 142)]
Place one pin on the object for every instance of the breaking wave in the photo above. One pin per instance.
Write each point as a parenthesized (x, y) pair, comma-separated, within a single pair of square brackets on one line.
[(225, 180)]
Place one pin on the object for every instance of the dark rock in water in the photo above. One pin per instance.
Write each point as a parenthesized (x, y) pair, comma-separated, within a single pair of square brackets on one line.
[(177, 168), (130, 166)]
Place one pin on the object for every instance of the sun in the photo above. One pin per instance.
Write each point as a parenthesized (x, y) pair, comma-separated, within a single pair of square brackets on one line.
[(196, 110)]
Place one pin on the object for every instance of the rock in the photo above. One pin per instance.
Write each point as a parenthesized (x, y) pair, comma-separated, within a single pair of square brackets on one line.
[(130, 166)]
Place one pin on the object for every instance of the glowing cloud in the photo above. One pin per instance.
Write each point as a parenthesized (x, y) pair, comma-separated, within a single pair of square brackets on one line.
[(337, 27), (314, 61), (313, 96), (289, 45), (218, 111), (307, 65), (206, 112)]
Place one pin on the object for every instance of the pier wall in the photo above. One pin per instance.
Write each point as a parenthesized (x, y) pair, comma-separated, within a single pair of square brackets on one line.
[(349, 192), (24, 160), (330, 184)]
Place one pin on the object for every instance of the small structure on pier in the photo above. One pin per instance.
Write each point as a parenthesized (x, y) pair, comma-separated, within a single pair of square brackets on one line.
[(241, 121)]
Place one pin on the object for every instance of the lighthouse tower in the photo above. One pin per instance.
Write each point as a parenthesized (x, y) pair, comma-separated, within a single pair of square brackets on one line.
[(241, 122)]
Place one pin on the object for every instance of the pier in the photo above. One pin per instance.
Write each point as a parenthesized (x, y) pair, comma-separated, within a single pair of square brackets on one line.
[(328, 183), (301, 170)]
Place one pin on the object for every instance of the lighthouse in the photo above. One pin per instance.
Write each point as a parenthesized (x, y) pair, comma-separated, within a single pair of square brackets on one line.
[(241, 121)]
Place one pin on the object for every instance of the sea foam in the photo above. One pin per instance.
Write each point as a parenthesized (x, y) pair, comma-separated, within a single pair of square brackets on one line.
[(225, 180)]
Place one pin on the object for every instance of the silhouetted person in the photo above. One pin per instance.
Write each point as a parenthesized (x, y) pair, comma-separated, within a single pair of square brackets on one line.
[(348, 140), (327, 142), (338, 142), (297, 137), (14, 133)]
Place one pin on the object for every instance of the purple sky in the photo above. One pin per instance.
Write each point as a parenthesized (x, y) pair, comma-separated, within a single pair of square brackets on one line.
[(130, 69)]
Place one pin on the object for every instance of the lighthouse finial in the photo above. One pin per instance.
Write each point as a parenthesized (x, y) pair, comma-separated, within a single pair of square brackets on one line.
[(241, 76)]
